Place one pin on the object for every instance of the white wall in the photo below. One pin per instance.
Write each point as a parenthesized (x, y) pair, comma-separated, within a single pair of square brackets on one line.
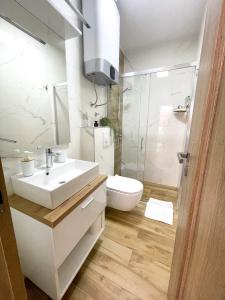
[(80, 94), (97, 144), (166, 54), (27, 74)]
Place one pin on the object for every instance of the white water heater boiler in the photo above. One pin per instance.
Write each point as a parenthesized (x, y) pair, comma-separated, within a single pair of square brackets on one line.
[(101, 41)]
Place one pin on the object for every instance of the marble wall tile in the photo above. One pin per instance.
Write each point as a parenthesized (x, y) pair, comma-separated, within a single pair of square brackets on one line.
[(28, 71), (81, 93), (35, 97), (94, 147), (115, 114)]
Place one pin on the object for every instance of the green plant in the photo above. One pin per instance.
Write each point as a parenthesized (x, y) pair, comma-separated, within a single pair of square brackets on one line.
[(106, 122)]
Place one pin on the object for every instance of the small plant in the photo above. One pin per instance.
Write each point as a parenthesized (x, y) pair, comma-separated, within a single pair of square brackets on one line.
[(106, 122)]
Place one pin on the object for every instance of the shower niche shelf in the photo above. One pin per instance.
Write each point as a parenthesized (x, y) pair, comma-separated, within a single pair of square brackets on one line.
[(180, 110)]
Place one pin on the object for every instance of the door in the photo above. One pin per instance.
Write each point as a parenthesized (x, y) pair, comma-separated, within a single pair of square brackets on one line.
[(11, 278), (198, 267)]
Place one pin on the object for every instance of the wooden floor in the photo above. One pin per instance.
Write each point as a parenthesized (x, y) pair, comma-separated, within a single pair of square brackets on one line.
[(159, 191), (131, 261)]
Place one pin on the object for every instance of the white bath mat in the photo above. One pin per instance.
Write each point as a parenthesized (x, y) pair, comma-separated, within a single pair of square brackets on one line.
[(159, 210)]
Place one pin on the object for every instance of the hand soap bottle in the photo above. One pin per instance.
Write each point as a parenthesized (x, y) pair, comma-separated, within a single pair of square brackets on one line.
[(27, 164)]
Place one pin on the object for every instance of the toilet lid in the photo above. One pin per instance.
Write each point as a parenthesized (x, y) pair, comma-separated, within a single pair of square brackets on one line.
[(124, 184)]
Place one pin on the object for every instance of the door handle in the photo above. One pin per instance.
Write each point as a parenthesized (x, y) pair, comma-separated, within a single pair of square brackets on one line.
[(1, 202), (88, 202), (182, 156)]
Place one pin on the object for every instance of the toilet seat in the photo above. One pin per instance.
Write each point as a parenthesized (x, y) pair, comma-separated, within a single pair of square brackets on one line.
[(124, 185)]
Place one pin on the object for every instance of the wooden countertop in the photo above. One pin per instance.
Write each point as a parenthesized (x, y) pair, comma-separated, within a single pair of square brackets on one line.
[(53, 217)]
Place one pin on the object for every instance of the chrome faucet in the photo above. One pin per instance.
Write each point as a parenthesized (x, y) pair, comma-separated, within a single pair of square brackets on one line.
[(49, 158)]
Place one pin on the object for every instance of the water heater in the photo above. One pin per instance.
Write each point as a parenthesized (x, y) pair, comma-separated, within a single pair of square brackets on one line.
[(101, 41)]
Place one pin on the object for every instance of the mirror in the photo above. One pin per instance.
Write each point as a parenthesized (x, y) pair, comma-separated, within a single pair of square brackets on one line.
[(33, 88)]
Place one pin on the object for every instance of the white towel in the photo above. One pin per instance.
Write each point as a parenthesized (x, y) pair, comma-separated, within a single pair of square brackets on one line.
[(159, 210)]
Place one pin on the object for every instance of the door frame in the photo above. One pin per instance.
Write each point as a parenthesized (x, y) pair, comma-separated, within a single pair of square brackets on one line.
[(13, 285), (177, 287)]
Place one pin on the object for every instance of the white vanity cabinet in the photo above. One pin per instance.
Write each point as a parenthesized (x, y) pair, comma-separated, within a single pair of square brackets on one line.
[(51, 255)]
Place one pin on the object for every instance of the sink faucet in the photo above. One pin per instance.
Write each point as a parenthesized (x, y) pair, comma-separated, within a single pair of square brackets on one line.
[(49, 158)]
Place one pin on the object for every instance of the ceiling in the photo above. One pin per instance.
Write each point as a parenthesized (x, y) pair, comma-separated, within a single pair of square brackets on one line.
[(150, 22)]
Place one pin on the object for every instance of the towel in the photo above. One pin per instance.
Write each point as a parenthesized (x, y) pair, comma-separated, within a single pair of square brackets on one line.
[(159, 210)]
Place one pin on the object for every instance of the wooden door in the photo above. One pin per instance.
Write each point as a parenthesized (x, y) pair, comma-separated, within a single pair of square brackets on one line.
[(11, 278), (198, 268)]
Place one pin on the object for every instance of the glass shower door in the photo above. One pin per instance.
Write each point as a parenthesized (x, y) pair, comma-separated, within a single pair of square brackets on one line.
[(167, 125), (134, 125)]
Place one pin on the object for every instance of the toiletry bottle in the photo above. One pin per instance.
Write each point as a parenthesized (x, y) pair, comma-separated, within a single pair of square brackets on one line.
[(96, 124), (27, 164), (60, 156)]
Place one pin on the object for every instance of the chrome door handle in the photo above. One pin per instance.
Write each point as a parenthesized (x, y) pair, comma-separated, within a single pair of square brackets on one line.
[(182, 156)]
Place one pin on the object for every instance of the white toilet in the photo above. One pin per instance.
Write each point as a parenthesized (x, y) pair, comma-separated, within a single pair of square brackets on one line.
[(123, 193)]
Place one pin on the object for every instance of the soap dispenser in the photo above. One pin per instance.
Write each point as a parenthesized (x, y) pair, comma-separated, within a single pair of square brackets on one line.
[(27, 164)]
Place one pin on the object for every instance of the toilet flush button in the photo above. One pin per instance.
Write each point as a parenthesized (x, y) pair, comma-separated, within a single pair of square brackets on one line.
[(106, 139)]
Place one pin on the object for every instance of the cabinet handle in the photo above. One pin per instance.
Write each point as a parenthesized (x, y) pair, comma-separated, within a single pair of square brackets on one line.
[(88, 202)]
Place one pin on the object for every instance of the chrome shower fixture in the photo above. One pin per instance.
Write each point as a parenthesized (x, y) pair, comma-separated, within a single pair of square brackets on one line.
[(125, 90)]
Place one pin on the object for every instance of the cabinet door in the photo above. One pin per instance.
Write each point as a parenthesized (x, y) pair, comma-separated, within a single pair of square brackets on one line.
[(68, 232)]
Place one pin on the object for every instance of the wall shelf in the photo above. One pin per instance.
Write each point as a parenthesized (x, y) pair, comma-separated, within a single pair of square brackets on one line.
[(55, 14), (180, 110)]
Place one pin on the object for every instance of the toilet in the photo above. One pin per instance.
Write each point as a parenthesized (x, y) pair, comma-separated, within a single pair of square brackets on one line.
[(123, 193)]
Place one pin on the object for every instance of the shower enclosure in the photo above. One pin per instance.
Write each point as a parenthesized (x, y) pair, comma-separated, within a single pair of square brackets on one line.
[(155, 113)]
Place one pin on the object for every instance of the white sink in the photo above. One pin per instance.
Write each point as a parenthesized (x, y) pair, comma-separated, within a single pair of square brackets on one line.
[(63, 181)]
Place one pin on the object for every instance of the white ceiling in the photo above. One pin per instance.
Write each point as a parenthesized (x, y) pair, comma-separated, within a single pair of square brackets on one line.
[(148, 22)]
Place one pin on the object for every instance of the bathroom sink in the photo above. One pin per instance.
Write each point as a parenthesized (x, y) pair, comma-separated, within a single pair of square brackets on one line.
[(63, 181)]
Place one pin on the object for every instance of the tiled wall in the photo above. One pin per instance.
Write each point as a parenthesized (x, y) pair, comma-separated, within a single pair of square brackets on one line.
[(27, 74), (114, 112), (80, 91)]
